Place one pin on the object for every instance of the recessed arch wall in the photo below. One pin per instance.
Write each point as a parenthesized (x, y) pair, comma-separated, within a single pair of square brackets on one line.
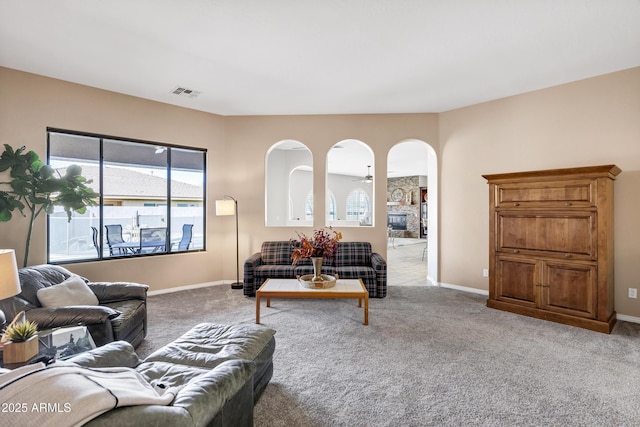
[(349, 162), (288, 181)]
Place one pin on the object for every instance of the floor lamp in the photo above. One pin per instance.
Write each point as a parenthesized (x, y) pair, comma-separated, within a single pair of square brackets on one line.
[(229, 206)]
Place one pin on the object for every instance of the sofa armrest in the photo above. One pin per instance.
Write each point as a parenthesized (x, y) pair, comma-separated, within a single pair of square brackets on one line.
[(253, 261), (248, 279), (113, 354), (14, 305), (378, 263), (118, 291), (380, 266), (48, 318)]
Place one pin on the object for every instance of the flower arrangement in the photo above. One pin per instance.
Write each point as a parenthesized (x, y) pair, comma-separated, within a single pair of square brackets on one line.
[(324, 243)]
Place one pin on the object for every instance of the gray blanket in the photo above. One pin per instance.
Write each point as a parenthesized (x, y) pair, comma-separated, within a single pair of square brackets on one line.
[(69, 395)]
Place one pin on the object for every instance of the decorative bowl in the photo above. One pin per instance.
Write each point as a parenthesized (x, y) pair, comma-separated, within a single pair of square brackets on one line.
[(326, 283)]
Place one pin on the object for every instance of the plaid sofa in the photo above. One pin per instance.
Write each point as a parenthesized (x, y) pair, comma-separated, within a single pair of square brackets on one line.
[(353, 260)]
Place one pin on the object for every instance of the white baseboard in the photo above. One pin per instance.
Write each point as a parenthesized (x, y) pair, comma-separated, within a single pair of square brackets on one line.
[(184, 288), (622, 317), (626, 318), (464, 289)]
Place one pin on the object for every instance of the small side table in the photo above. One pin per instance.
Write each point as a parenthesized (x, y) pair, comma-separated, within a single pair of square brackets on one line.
[(59, 343)]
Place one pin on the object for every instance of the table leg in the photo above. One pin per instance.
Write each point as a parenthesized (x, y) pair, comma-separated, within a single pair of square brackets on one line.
[(359, 302), (258, 308), (268, 302), (366, 310)]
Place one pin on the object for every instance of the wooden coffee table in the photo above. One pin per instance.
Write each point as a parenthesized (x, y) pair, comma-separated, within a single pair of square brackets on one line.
[(290, 288)]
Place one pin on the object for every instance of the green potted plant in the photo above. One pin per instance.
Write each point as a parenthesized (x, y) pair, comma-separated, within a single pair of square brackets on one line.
[(36, 187), (22, 342)]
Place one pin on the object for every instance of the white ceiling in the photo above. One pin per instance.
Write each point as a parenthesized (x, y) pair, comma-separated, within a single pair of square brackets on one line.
[(320, 57), (257, 57)]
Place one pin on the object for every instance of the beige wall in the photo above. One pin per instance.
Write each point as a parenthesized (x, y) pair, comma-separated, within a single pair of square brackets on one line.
[(589, 122), (236, 156), (29, 104), (249, 138)]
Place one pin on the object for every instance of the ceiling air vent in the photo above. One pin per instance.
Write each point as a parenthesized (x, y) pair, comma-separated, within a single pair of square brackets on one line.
[(187, 93)]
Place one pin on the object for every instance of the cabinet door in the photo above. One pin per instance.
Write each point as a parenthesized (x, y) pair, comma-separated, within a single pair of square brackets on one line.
[(548, 234), (570, 288), (517, 280)]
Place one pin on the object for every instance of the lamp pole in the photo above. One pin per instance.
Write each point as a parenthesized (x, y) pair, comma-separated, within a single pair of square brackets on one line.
[(237, 284)]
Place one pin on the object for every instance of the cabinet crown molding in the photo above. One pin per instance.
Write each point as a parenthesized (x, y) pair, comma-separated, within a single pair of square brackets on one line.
[(586, 171)]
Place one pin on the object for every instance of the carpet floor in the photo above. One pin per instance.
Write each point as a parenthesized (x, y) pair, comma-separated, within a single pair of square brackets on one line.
[(429, 357)]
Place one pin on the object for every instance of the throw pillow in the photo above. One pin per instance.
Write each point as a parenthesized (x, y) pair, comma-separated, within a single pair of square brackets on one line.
[(73, 291)]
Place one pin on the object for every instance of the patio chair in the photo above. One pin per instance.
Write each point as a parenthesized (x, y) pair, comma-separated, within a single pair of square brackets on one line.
[(114, 236), (153, 239), (96, 236), (185, 241)]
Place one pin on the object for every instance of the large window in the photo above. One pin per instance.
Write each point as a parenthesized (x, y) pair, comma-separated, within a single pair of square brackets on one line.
[(152, 198)]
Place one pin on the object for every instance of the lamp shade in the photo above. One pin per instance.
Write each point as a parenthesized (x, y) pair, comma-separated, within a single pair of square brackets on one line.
[(9, 279), (225, 207)]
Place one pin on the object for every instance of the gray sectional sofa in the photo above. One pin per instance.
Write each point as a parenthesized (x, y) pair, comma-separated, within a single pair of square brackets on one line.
[(353, 260), (210, 376), (118, 313)]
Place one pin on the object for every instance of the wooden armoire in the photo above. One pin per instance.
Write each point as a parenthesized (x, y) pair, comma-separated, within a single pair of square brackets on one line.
[(551, 245)]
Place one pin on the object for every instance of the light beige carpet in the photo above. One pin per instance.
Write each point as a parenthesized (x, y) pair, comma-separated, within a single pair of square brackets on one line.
[(429, 357)]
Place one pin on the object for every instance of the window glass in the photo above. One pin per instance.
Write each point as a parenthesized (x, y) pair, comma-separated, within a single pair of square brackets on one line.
[(331, 205), (187, 199), (76, 239), (138, 181), (359, 207), (308, 208)]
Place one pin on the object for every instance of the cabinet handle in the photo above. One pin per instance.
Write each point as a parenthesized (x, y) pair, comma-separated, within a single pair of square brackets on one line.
[(567, 204), (536, 284), (515, 251), (516, 204), (545, 286), (567, 255)]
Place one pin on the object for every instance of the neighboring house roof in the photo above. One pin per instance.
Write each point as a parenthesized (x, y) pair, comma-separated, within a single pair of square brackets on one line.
[(123, 183)]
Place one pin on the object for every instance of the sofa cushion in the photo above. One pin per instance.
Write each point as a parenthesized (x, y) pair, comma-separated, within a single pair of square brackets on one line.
[(113, 354), (170, 374), (356, 272), (276, 253), (207, 345), (41, 276), (275, 272), (73, 291), (353, 254)]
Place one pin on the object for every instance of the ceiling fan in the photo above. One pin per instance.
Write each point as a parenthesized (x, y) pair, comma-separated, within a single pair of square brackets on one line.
[(368, 178)]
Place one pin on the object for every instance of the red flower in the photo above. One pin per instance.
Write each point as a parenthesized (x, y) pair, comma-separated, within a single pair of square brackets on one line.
[(324, 243)]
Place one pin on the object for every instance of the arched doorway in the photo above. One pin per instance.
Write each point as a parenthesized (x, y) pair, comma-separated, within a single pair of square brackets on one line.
[(412, 197)]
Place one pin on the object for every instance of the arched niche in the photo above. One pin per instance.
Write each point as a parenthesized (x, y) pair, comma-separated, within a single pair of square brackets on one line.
[(350, 167), (288, 183)]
